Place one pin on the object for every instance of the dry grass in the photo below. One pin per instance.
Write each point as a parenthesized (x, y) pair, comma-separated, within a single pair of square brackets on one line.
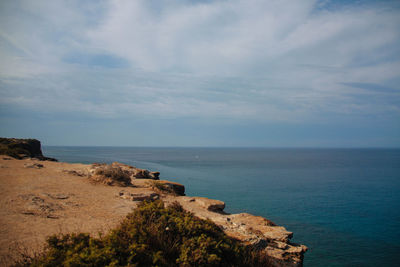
[(110, 175)]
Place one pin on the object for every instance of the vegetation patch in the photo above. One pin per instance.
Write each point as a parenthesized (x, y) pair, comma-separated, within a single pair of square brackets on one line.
[(152, 235), (111, 175)]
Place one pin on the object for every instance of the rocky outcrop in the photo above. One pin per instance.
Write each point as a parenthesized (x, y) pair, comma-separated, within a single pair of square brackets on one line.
[(170, 187), (129, 171), (264, 234), (109, 175), (252, 230), (136, 173), (22, 148), (208, 204), (256, 231)]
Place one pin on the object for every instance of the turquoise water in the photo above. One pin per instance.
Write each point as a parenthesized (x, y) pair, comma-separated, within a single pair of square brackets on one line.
[(344, 204)]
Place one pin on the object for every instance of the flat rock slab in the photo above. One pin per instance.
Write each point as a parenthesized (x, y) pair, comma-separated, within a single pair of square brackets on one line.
[(33, 165), (148, 196), (210, 204)]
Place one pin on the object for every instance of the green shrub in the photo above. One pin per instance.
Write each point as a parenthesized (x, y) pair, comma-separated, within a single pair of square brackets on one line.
[(152, 235)]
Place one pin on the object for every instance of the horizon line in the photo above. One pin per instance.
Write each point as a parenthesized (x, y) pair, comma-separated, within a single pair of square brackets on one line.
[(243, 147)]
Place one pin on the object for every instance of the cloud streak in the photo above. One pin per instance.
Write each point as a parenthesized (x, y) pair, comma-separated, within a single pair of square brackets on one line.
[(237, 60)]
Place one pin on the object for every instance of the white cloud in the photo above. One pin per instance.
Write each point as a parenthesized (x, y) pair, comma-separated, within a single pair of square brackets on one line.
[(259, 60), (232, 37)]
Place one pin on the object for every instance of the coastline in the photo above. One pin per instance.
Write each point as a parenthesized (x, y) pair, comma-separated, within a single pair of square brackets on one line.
[(70, 202)]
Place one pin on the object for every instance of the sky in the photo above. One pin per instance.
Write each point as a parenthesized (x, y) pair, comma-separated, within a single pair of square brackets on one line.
[(220, 73)]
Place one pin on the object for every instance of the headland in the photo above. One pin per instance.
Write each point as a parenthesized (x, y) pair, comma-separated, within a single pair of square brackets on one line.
[(41, 196)]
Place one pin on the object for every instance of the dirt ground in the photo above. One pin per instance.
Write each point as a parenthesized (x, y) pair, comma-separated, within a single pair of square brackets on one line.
[(56, 198)]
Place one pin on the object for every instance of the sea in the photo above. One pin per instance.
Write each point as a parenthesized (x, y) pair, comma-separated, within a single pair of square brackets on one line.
[(344, 204)]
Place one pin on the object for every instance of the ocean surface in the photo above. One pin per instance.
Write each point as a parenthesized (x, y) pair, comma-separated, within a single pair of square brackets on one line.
[(344, 204)]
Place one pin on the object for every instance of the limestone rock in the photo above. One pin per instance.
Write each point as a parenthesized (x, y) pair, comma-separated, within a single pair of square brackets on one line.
[(130, 171), (172, 187), (109, 175), (136, 173), (264, 234), (260, 233), (149, 196), (210, 204)]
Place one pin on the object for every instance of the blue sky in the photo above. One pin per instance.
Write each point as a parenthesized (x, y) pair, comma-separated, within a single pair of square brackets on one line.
[(201, 73)]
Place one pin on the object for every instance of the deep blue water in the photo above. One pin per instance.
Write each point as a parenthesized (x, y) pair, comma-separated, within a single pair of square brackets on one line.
[(344, 204)]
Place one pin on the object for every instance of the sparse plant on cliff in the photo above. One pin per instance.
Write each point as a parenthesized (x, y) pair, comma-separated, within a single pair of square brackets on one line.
[(111, 175), (153, 235), (159, 186)]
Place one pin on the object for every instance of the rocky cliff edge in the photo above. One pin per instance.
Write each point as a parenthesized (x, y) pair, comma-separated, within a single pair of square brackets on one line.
[(40, 198)]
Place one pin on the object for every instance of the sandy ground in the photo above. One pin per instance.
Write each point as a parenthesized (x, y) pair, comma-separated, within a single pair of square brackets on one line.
[(38, 202)]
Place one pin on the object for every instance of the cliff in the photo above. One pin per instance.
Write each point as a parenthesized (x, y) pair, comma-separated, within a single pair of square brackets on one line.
[(40, 198), (22, 148)]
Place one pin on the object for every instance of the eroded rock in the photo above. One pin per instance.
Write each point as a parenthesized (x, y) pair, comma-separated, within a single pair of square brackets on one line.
[(210, 204), (136, 173), (260, 233), (170, 187), (131, 173), (109, 175), (75, 172), (148, 196), (33, 165)]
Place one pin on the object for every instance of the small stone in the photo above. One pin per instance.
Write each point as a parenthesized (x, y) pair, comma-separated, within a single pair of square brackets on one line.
[(60, 196), (33, 165)]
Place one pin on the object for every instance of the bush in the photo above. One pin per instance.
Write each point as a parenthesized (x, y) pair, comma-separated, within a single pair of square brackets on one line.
[(111, 175), (151, 236)]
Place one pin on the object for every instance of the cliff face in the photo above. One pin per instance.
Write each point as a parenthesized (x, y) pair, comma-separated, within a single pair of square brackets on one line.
[(252, 230), (39, 199), (22, 148)]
